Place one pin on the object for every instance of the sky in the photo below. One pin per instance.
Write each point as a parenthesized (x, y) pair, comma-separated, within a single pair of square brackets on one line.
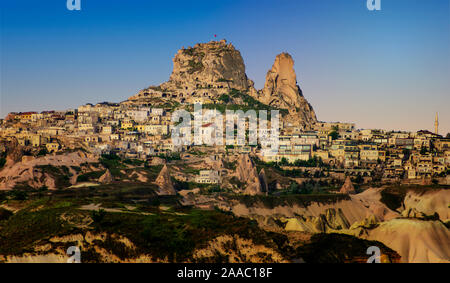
[(386, 69)]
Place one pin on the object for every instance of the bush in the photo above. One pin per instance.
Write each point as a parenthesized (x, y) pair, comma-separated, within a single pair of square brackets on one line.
[(5, 214), (98, 216), (2, 162), (19, 195), (334, 135), (90, 176)]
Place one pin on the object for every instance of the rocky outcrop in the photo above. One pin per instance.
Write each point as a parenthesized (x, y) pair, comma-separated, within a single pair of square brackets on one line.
[(237, 250), (164, 182), (263, 181), (347, 188), (281, 91), (207, 64), (415, 240), (207, 71), (14, 152), (106, 178), (246, 173), (332, 220), (355, 208), (428, 202), (51, 171)]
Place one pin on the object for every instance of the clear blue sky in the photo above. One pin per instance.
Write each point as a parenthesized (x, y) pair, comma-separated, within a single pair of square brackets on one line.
[(381, 69)]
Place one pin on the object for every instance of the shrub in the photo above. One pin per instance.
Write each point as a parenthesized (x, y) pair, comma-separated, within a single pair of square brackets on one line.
[(5, 214), (98, 216)]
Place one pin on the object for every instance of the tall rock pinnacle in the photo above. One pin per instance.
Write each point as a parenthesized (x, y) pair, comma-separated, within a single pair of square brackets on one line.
[(208, 71), (165, 183), (281, 91)]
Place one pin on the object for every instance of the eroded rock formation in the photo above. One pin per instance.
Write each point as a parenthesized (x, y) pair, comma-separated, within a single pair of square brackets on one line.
[(106, 178), (281, 91), (207, 64), (207, 71), (255, 184), (164, 182), (348, 187)]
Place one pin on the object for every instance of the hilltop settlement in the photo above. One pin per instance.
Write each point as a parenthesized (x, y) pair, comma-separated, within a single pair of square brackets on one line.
[(119, 162), (213, 74)]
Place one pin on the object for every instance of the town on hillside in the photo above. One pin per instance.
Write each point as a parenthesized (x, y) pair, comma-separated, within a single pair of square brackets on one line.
[(213, 74)]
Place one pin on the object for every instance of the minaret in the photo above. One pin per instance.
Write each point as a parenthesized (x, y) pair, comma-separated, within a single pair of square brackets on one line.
[(436, 125)]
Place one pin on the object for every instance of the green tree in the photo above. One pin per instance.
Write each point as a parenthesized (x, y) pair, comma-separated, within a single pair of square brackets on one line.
[(2, 162), (97, 216), (334, 135), (284, 162), (423, 151)]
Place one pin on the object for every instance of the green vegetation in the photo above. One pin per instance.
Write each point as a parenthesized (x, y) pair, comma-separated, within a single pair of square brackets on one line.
[(249, 104), (223, 80), (339, 248), (170, 156), (60, 174), (334, 135), (195, 66), (179, 185), (90, 176), (134, 162), (225, 98), (23, 230), (312, 162), (189, 51), (190, 170), (271, 201), (230, 165), (43, 151), (18, 195), (113, 163), (175, 237), (5, 214), (97, 216)]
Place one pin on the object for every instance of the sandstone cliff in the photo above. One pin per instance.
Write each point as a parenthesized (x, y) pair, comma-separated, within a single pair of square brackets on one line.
[(347, 188), (246, 172), (106, 178), (281, 91), (415, 240), (206, 64), (51, 170)]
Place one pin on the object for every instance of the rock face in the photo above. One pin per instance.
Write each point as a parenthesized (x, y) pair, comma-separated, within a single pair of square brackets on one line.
[(205, 71), (106, 178), (209, 63), (33, 172), (14, 152), (255, 184), (415, 240), (347, 188), (428, 203), (281, 91), (165, 183), (263, 180), (331, 221)]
